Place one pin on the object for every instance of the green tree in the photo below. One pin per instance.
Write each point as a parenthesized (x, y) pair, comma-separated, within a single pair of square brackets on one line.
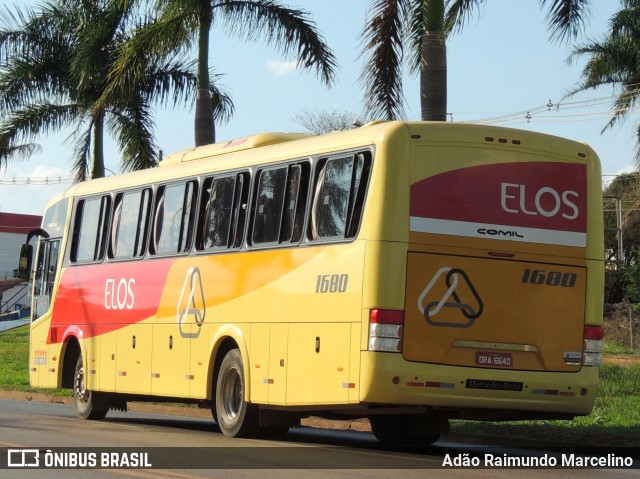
[(625, 187), (184, 24), (420, 27), (54, 74), (621, 279), (615, 62)]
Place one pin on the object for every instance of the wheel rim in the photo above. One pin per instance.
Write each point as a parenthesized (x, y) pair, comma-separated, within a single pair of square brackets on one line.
[(80, 392), (232, 393)]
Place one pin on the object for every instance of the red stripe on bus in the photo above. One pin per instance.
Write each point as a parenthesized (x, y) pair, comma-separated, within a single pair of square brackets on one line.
[(549, 195)]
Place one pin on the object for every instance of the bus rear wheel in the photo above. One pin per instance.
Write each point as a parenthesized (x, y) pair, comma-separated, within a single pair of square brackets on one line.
[(408, 429), (87, 402), (235, 416)]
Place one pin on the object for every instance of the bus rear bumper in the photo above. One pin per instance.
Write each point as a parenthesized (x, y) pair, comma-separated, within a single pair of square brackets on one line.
[(387, 379)]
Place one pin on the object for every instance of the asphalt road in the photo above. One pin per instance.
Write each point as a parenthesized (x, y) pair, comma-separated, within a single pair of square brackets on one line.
[(193, 448)]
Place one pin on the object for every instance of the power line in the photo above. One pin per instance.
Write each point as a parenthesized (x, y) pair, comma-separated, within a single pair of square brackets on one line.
[(543, 113), (35, 181)]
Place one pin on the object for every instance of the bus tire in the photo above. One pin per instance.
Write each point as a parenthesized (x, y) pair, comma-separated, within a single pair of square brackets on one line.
[(235, 416), (407, 429), (87, 402)]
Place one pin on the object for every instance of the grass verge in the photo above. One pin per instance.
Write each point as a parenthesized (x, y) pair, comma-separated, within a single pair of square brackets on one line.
[(14, 362), (614, 421)]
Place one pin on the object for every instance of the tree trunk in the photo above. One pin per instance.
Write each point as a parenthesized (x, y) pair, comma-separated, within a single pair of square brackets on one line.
[(433, 77), (97, 155), (204, 127)]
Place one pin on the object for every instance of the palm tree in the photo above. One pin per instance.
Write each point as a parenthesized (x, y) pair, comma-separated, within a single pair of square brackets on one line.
[(615, 62), (421, 27), (54, 74), (183, 24)]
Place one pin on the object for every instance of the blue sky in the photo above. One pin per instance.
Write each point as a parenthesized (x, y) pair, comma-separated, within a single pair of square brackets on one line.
[(502, 63)]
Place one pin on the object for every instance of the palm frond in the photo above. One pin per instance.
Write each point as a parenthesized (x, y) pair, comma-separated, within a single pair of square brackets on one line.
[(32, 78), (287, 29), (383, 50), (82, 153), (149, 42), (223, 107), (169, 82), (459, 12), (43, 118), (566, 18), (612, 63), (23, 125), (20, 152), (133, 129)]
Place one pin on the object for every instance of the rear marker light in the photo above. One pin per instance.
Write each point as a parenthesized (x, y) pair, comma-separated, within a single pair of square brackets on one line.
[(388, 345), (592, 346), (433, 384), (386, 330)]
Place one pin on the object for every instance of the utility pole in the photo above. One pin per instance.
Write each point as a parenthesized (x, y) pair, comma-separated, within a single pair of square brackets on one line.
[(620, 258)]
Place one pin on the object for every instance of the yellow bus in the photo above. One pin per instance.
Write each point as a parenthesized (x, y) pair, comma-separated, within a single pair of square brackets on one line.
[(407, 272)]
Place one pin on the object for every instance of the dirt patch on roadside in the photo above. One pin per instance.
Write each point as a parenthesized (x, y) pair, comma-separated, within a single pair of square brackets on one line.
[(622, 360)]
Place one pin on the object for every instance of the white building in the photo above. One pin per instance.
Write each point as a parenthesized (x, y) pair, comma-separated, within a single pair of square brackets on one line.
[(13, 233)]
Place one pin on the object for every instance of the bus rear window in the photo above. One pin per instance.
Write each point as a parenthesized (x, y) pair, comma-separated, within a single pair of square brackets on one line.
[(339, 195)]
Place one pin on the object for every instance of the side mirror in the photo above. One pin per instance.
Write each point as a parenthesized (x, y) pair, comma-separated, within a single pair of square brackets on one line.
[(26, 259)]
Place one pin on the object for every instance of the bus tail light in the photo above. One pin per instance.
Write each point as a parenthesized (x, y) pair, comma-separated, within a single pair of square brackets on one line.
[(386, 327), (592, 347)]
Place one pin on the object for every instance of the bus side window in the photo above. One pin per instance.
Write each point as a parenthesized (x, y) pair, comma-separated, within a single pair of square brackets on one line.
[(90, 229), (339, 196), (129, 228), (222, 212), (295, 203), (241, 199), (278, 213), (267, 212), (173, 220)]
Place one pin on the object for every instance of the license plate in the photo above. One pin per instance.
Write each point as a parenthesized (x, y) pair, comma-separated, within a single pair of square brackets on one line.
[(499, 360)]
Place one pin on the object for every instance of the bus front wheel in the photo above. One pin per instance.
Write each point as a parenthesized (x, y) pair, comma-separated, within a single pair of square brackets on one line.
[(235, 416), (87, 402)]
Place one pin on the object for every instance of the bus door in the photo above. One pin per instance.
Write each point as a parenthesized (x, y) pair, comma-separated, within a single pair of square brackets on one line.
[(43, 371), (46, 269)]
